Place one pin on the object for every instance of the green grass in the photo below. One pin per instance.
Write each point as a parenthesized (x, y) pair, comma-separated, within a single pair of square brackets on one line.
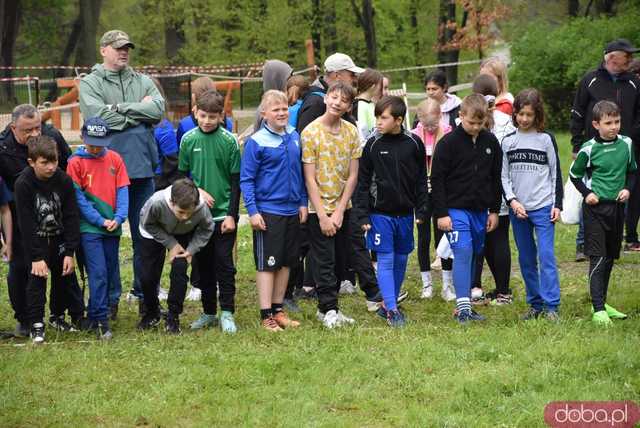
[(432, 373)]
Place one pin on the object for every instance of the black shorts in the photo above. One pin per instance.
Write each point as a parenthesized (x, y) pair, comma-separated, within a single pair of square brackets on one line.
[(279, 245), (603, 229)]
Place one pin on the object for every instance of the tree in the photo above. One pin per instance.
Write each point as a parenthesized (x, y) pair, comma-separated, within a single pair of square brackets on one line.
[(448, 50), (573, 7), (89, 13), (174, 35), (366, 20), (9, 25)]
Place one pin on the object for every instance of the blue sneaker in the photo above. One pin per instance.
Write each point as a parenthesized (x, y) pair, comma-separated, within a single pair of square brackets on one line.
[(204, 321), (395, 319), (467, 315), (382, 312), (227, 323)]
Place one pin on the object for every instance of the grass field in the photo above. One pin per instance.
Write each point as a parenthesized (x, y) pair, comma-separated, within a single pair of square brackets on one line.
[(433, 373)]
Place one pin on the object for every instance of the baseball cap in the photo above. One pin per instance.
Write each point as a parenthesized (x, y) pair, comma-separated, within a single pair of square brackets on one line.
[(339, 61), (116, 39), (620, 45), (94, 131)]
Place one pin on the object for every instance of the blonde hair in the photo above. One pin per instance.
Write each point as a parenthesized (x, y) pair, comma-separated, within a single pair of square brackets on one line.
[(499, 70), (297, 87), (474, 106), (429, 105), (272, 96)]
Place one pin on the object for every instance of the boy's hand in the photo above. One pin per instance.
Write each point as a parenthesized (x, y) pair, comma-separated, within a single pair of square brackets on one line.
[(207, 198), (555, 214), (366, 227), (229, 225), (623, 196), (518, 209), (419, 221), (257, 222), (176, 251), (67, 265), (147, 99), (592, 199), (492, 222), (303, 214), (185, 255), (336, 218), (327, 226), (110, 225), (39, 269), (444, 224), (6, 251)]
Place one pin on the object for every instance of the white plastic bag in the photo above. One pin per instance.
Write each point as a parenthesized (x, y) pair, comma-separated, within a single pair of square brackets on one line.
[(444, 249), (571, 204)]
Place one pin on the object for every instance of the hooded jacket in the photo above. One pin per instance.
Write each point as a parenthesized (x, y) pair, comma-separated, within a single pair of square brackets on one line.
[(275, 74), (116, 97)]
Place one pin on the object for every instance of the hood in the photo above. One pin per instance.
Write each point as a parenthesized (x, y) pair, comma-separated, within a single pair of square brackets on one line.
[(82, 153), (275, 74), (451, 102)]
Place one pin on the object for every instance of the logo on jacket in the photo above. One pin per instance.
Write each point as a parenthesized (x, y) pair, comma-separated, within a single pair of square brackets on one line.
[(488, 150), (112, 170)]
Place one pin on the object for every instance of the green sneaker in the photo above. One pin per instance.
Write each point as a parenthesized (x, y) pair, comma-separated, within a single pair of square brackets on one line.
[(614, 313), (227, 323), (204, 321), (601, 318)]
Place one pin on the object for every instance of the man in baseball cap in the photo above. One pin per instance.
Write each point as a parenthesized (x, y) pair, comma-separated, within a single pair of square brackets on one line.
[(622, 45), (339, 61), (116, 39)]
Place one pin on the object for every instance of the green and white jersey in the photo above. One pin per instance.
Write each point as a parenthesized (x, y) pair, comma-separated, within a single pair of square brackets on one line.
[(605, 164), (211, 159)]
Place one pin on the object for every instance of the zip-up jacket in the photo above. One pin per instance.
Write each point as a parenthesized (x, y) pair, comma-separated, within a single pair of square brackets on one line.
[(599, 85), (271, 177), (392, 177), (466, 174), (167, 170)]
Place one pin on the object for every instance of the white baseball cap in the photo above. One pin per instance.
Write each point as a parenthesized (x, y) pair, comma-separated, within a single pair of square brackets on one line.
[(339, 61)]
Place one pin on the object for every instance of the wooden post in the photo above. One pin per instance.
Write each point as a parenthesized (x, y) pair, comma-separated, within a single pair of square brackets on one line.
[(311, 62)]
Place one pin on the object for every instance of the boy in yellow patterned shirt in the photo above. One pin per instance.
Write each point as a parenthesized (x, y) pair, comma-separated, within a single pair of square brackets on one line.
[(330, 153)]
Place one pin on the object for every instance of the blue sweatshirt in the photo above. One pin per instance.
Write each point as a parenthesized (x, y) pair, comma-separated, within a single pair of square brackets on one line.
[(167, 146), (271, 177)]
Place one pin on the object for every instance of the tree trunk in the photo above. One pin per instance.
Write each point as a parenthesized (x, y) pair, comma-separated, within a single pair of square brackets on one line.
[(174, 39), (414, 6), (573, 8), (605, 7), (69, 48), (9, 26), (330, 32), (316, 30), (446, 32), (366, 20), (86, 53)]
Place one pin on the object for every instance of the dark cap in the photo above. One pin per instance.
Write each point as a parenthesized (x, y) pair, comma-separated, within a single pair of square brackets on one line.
[(95, 131), (623, 45), (116, 39)]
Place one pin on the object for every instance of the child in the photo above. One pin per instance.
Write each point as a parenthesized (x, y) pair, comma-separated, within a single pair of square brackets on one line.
[(174, 220), (466, 191), (276, 200), (529, 180), (49, 223), (167, 143), (297, 88), (6, 222), (431, 130), (609, 158), (187, 123), (436, 85), (330, 152), (211, 155), (369, 92), (495, 67), (101, 183), (393, 163)]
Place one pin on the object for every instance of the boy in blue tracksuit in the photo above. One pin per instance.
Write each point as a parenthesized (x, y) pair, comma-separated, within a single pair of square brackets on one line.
[(392, 187), (275, 196), (466, 192)]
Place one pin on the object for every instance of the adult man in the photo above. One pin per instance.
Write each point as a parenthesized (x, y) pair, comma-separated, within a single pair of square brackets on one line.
[(130, 103), (610, 81), (25, 123)]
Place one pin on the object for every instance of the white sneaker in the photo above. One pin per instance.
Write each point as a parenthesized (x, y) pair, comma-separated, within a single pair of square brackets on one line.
[(131, 298), (427, 292), (346, 287), (330, 319), (194, 294), (320, 316), (448, 292), (476, 293), (437, 264), (343, 319), (163, 294)]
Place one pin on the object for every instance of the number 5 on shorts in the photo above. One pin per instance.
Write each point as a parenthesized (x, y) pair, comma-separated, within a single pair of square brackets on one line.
[(453, 237), (376, 239)]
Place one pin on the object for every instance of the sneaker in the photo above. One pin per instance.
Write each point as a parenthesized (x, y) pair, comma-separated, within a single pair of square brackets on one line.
[(21, 330), (552, 316), (227, 323), (437, 264), (291, 305), (87, 324), (467, 315), (395, 319), (163, 294), (149, 321), (330, 319), (499, 299), (477, 293), (346, 287), (194, 294), (60, 324), (613, 313), (284, 321), (531, 314), (580, 257), (402, 296), (204, 321), (37, 333), (131, 298), (104, 331), (301, 293), (448, 294), (172, 324), (113, 312), (270, 324), (343, 319), (632, 247), (374, 303), (382, 312), (601, 318), (427, 292)]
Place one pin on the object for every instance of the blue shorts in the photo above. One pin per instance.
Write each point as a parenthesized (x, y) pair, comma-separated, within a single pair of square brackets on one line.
[(390, 234), (469, 229)]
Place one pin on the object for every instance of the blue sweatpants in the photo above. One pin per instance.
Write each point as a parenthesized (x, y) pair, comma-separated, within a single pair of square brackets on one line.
[(103, 270), (542, 283), (392, 240), (467, 241)]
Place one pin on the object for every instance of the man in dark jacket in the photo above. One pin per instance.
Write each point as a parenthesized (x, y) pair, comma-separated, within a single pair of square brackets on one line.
[(25, 123), (610, 81)]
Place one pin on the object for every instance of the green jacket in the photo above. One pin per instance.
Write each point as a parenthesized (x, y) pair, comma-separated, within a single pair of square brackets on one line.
[(133, 137)]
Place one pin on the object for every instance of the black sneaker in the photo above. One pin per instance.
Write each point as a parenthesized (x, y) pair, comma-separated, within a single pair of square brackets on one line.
[(402, 296), (290, 305), (104, 331), (22, 329), (172, 324), (467, 315), (149, 321), (113, 312), (531, 314), (580, 257), (301, 293), (37, 333), (60, 324)]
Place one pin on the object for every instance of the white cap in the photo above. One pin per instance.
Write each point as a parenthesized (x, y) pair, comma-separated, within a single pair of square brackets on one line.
[(339, 61)]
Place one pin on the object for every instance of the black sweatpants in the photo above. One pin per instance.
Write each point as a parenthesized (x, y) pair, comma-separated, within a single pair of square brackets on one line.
[(215, 262), (329, 255), (497, 252), (153, 253), (297, 273)]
